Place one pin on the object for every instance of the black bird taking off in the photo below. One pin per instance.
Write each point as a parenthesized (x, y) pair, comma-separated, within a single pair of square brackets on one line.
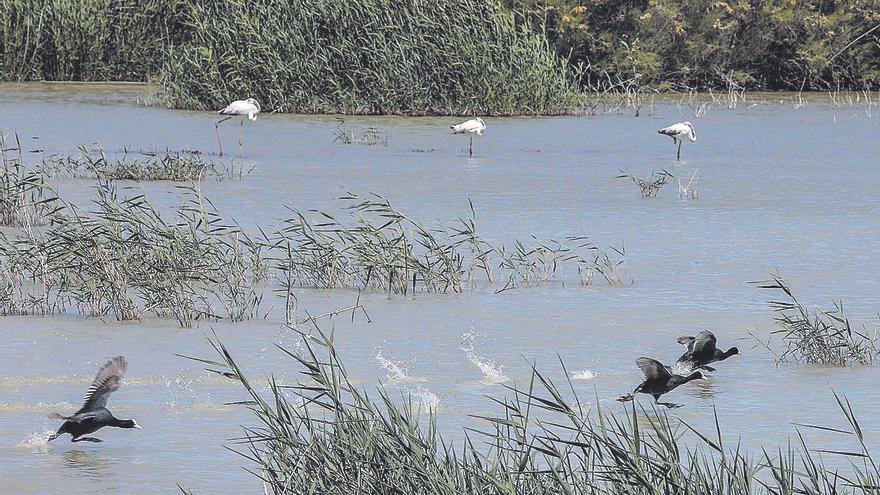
[(701, 351), (93, 415), (659, 380)]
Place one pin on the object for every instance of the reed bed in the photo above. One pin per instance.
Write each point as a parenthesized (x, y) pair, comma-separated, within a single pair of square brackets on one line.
[(326, 435), (125, 260), (90, 40), (444, 57), (379, 247), (25, 198), (818, 336)]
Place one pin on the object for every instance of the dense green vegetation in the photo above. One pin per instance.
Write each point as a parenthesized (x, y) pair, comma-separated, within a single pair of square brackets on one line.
[(362, 56), (699, 44), (441, 57)]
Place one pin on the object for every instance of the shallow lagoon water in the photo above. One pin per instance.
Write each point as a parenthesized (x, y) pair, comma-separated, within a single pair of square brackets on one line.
[(782, 188)]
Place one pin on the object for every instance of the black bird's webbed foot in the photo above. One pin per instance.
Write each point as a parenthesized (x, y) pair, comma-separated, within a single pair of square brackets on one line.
[(625, 398), (87, 439), (670, 405)]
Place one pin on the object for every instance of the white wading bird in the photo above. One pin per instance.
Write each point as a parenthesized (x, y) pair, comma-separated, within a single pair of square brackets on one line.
[(473, 126), (679, 132), (249, 107)]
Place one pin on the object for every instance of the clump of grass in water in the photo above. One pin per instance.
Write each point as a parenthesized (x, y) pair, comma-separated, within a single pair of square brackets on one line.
[(370, 137), (25, 198), (126, 260), (327, 435), (382, 248), (818, 336), (651, 184), (168, 165)]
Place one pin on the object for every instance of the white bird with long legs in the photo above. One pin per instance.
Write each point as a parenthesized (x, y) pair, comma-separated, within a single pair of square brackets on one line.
[(249, 107), (679, 132), (473, 126)]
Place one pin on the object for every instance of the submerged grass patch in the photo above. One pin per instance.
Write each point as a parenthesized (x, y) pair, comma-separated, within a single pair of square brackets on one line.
[(326, 435), (818, 336)]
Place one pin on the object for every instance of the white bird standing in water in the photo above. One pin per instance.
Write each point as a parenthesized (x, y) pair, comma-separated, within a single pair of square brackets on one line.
[(473, 126), (249, 107), (679, 132)]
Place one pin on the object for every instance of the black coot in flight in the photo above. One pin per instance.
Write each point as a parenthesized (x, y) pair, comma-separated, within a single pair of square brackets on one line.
[(93, 415), (659, 380), (701, 351)]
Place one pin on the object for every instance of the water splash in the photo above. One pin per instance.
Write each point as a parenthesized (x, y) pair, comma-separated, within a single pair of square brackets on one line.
[(424, 399), (37, 441), (584, 374), (492, 372), (182, 394), (682, 369), (395, 372)]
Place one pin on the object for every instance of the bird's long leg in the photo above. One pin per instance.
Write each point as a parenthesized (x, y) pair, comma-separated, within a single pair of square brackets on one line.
[(678, 155), (670, 405), (240, 135), (86, 439), (217, 128), (471, 148), (626, 398)]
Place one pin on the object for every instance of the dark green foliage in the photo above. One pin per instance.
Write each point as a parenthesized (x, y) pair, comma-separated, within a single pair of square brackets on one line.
[(699, 44)]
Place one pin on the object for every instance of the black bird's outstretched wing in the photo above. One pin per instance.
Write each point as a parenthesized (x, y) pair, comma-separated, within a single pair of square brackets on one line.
[(704, 344), (652, 369), (107, 381)]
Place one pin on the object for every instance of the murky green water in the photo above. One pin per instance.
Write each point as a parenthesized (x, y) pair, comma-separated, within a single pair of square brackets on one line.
[(782, 188)]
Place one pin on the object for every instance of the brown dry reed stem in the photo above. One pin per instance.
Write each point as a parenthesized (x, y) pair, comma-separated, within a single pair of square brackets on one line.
[(326, 435), (817, 336)]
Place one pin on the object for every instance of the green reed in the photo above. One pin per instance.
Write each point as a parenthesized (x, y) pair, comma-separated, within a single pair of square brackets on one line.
[(171, 166), (91, 40), (325, 434), (376, 246), (818, 336), (25, 198), (126, 260), (365, 57)]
